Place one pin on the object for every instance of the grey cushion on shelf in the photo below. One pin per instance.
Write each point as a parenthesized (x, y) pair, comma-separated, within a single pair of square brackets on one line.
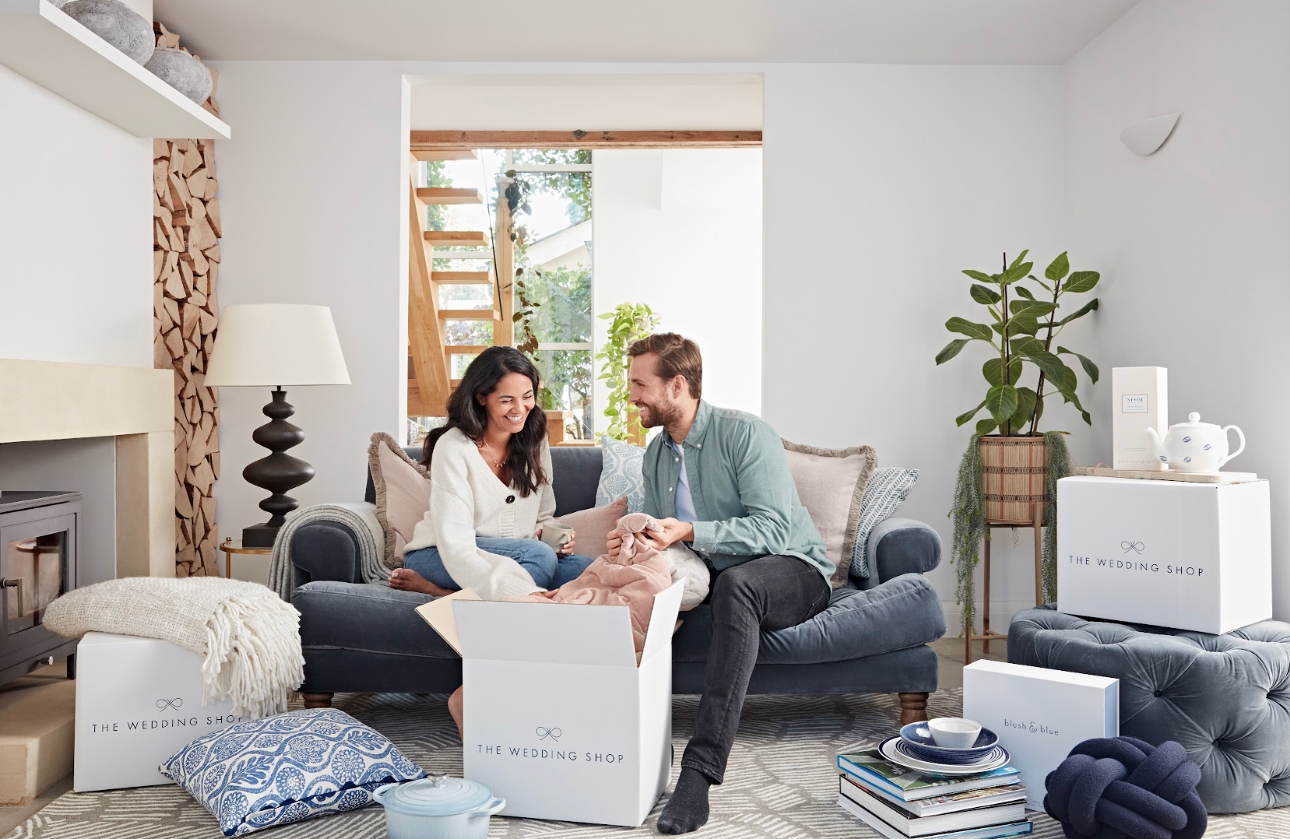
[(1225, 698), (116, 23), (182, 72)]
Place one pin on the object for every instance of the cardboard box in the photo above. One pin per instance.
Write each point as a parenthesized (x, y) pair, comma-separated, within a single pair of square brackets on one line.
[(1039, 714), (1165, 553), (560, 720), (138, 701), (1139, 400)]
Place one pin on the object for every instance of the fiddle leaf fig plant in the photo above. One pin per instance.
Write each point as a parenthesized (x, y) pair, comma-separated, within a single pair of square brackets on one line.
[(1023, 325)]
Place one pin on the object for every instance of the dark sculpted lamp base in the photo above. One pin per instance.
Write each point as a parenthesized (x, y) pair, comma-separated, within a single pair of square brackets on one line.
[(277, 473)]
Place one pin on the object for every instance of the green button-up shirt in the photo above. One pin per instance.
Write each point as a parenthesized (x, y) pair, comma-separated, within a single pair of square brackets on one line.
[(744, 496)]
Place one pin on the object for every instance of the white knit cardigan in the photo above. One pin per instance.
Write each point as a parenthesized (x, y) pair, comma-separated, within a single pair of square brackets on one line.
[(467, 500)]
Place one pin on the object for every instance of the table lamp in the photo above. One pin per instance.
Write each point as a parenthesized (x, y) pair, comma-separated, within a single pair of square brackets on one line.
[(275, 345)]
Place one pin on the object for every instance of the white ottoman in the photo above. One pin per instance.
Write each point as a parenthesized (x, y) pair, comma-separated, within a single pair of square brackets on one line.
[(138, 701)]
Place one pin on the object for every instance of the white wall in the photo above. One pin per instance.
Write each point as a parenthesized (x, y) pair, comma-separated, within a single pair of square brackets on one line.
[(1190, 240), (881, 184), (313, 195), (75, 233), (680, 230)]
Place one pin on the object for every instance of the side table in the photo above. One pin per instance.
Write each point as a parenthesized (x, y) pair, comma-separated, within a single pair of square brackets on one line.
[(231, 546)]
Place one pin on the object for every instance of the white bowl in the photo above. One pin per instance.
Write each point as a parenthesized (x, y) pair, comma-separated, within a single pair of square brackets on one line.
[(954, 732)]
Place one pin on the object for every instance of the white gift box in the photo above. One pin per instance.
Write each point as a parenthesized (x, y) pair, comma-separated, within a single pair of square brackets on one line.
[(1165, 553), (138, 701), (1139, 400), (560, 720), (1039, 714)]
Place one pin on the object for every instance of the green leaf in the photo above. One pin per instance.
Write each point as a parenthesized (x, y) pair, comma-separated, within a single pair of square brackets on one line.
[(993, 371), (985, 426), (1022, 325), (1090, 369), (1090, 306), (1062, 377), (1016, 263), (983, 277), (1081, 281), (967, 415), (1026, 399), (968, 328), (1001, 402), (1030, 308), (1068, 395), (981, 294), (1058, 268), (952, 349), (1026, 344), (1022, 291)]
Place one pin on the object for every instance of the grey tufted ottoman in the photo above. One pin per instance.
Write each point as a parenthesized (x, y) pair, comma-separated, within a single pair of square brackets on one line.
[(1225, 698)]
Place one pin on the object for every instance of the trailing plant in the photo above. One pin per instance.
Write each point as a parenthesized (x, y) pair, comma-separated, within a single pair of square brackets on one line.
[(628, 322), (1022, 332)]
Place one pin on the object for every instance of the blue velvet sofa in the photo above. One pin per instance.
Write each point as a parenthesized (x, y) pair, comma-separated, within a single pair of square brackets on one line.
[(872, 638)]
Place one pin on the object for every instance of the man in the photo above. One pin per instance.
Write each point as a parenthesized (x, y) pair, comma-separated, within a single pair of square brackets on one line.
[(718, 479)]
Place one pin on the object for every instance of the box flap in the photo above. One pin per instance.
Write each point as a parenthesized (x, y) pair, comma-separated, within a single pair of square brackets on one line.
[(438, 613), (555, 633), (667, 604)]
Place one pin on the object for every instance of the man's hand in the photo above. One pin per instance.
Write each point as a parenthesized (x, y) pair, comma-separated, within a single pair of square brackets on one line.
[(614, 544), (673, 531)]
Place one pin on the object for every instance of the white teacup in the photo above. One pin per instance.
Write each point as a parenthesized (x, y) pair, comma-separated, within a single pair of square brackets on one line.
[(556, 535), (954, 732)]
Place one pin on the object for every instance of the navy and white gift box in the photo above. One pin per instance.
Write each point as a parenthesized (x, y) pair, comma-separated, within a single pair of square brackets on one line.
[(1039, 714), (1165, 553)]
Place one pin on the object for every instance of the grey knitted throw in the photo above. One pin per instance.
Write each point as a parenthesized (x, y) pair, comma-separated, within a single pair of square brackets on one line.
[(358, 517)]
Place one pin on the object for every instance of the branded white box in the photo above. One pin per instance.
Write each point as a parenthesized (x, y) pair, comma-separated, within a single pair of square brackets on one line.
[(1139, 400), (1166, 553), (1039, 714), (560, 720), (138, 701)]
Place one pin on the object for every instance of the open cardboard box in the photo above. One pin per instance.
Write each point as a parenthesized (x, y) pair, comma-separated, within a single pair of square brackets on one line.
[(560, 720)]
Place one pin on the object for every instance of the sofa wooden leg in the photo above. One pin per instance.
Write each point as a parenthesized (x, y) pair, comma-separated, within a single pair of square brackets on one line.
[(913, 707), (323, 700)]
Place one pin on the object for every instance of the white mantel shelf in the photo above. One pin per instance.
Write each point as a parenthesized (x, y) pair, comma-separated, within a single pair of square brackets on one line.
[(40, 42)]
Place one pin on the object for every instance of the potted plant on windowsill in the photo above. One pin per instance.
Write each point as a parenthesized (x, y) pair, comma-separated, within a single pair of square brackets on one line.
[(1010, 468)]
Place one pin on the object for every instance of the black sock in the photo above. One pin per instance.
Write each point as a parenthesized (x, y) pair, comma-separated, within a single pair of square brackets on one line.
[(687, 810)]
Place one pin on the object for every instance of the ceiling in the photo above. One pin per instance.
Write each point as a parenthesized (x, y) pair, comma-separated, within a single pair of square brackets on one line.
[(817, 31)]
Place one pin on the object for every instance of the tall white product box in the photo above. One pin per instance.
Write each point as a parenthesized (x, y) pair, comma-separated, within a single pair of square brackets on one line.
[(560, 720), (1139, 400), (1165, 553), (138, 701), (1039, 714)]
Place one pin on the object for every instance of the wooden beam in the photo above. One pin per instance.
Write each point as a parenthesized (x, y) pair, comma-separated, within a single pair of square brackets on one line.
[(504, 271), (464, 349), (425, 333), (449, 195), (460, 277), (443, 154), (468, 314), (440, 141), (455, 238)]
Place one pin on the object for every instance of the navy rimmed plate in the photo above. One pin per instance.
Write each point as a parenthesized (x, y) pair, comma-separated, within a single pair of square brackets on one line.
[(896, 750), (917, 737)]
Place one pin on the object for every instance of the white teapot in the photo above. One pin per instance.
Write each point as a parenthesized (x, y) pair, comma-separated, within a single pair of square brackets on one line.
[(1195, 446)]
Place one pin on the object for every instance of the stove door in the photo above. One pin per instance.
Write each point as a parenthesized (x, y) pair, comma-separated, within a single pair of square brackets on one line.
[(36, 566)]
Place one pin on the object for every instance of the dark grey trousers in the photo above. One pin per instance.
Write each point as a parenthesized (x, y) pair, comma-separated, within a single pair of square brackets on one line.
[(767, 593)]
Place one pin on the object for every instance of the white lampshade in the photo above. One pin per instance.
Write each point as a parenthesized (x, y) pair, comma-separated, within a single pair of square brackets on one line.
[(272, 344)]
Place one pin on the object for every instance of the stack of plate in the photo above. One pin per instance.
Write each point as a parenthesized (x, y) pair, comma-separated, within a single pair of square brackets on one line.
[(915, 749)]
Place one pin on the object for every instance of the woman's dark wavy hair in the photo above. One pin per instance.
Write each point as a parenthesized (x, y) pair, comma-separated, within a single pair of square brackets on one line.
[(465, 412)]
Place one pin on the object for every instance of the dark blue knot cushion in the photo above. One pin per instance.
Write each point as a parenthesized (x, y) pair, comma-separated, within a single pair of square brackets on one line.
[(1117, 787)]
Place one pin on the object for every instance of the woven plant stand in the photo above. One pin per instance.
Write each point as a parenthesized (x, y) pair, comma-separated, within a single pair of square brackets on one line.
[(1015, 473)]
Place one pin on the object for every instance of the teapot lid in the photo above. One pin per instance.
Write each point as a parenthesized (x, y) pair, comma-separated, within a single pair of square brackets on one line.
[(1194, 419), (437, 795)]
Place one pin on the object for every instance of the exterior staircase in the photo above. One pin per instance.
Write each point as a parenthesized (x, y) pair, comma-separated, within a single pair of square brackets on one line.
[(430, 355)]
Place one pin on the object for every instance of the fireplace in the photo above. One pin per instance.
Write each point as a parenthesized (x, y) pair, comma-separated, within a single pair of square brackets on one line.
[(38, 544)]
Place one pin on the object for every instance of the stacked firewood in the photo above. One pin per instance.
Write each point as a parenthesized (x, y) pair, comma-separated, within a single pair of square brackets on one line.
[(185, 270)]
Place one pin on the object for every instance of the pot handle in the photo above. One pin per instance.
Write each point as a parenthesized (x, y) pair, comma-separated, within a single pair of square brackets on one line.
[(488, 808), (1239, 448), (378, 794)]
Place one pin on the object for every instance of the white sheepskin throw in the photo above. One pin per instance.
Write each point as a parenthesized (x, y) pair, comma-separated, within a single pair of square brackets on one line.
[(250, 638)]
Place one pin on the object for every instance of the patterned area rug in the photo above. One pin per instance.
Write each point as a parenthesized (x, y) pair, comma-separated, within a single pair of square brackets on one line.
[(780, 783)]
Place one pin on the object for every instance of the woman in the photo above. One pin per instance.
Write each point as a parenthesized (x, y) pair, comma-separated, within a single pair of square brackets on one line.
[(490, 491)]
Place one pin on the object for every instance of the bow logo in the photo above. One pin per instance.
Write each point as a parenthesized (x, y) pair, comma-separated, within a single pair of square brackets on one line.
[(553, 733), (1136, 547), (174, 704)]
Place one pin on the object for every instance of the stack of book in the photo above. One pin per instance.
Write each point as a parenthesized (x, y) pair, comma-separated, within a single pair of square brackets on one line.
[(901, 803)]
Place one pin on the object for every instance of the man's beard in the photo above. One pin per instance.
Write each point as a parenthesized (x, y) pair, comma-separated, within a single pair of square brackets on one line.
[(661, 414)]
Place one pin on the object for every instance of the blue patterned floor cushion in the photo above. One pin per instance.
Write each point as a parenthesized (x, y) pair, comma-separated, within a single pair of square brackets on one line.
[(287, 768)]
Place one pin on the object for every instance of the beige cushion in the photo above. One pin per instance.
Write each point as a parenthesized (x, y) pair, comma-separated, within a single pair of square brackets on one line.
[(831, 484), (591, 527), (402, 493)]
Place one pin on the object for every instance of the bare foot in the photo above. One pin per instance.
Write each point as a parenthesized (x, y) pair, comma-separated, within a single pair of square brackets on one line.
[(405, 579)]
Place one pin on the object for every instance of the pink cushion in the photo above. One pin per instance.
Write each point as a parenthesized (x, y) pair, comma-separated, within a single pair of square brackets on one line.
[(402, 493), (592, 527)]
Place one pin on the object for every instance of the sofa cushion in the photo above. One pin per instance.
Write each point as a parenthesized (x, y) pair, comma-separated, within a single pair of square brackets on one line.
[(900, 613), (830, 484), (368, 617), (577, 474), (402, 488), (887, 490), (620, 474), (591, 527)]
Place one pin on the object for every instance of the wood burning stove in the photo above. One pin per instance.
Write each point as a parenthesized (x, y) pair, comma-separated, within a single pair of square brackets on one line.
[(38, 545)]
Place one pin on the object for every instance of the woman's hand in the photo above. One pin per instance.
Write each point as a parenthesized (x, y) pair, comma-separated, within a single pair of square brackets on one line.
[(567, 547)]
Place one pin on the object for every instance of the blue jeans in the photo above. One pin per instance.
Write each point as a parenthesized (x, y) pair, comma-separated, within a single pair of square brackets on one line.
[(548, 569)]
